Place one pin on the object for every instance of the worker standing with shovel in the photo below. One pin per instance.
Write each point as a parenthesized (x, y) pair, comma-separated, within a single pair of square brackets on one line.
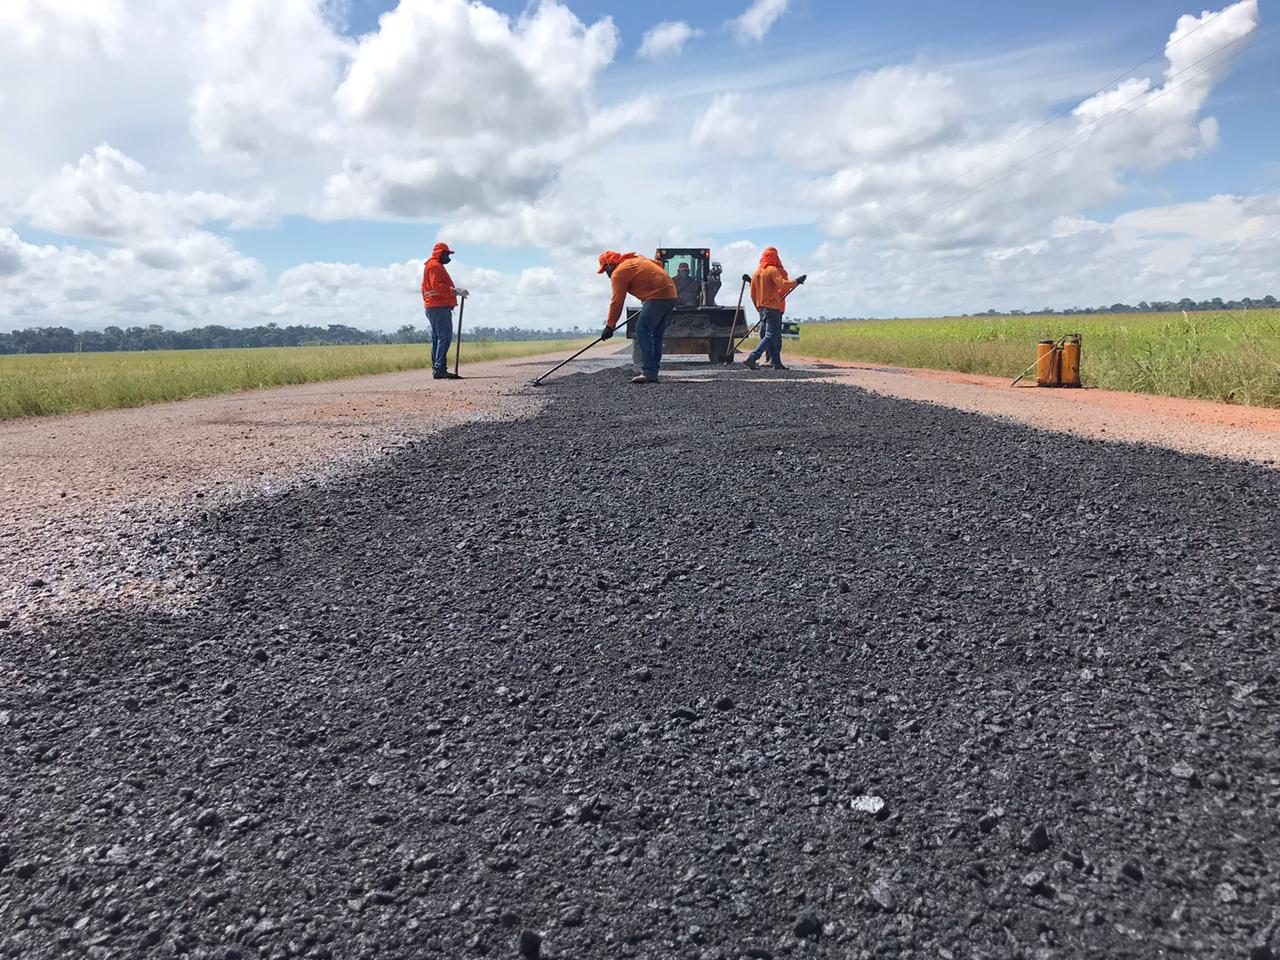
[(648, 282), (439, 297), (770, 286)]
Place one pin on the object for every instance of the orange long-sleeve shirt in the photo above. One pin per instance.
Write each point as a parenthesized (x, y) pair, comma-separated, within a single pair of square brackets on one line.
[(641, 277), (769, 288), (437, 285)]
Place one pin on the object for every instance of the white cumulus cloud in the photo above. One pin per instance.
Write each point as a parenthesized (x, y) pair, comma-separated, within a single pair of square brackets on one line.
[(103, 197), (145, 132), (754, 24), (904, 154), (667, 39), (537, 282)]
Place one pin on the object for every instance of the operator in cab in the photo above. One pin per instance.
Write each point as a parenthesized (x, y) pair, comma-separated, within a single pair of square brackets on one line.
[(686, 286), (647, 281)]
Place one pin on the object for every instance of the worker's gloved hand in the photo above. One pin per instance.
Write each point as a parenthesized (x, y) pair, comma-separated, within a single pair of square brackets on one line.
[(606, 333), (801, 279), (462, 293)]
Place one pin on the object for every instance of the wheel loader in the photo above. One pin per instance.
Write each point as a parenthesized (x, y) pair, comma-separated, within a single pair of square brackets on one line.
[(698, 325)]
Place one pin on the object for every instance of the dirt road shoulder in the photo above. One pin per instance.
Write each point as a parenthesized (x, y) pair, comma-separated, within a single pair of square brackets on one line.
[(94, 497), (1251, 434)]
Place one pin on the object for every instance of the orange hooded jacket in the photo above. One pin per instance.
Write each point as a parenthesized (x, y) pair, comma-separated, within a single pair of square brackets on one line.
[(437, 285), (639, 276), (770, 284)]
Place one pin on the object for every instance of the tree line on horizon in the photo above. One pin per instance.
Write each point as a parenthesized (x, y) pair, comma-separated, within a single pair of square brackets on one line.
[(1215, 305), (155, 337)]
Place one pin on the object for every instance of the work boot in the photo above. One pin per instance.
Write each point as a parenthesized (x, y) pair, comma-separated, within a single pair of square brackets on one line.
[(452, 376), (750, 364), (644, 378), (778, 366)]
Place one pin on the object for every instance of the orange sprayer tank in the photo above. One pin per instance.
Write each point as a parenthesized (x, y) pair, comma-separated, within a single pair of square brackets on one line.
[(1047, 364), (1071, 361)]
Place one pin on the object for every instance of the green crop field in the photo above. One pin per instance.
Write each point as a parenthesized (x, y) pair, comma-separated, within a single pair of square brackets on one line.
[(42, 384), (1231, 357)]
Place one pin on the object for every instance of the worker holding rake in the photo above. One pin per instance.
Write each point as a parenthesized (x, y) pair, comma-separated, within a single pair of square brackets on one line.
[(648, 282), (770, 286), (439, 297)]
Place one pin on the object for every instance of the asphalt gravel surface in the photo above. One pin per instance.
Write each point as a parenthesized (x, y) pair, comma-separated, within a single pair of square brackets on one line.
[(748, 666)]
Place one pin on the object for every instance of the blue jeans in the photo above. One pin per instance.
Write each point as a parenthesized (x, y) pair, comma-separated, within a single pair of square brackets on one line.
[(651, 327), (771, 342), (441, 320)]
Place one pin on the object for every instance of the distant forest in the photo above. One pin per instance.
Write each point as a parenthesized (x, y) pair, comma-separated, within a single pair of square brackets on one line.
[(1155, 306), (156, 337)]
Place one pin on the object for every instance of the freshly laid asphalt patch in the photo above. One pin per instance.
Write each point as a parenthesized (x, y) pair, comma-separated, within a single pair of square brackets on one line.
[(718, 669)]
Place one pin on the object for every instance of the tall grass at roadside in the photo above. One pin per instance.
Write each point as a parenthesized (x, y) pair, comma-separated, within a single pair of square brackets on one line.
[(42, 384), (1230, 357)]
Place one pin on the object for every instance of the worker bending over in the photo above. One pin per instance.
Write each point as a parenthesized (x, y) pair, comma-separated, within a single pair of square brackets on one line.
[(645, 280), (769, 289), (439, 297)]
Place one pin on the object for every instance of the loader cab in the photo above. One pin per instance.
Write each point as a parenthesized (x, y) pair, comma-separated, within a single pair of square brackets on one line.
[(703, 282), (698, 324)]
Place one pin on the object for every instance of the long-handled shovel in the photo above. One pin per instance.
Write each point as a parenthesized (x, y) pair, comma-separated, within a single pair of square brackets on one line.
[(534, 383), (737, 312), (457, 354), (746, 278), (598, 339)]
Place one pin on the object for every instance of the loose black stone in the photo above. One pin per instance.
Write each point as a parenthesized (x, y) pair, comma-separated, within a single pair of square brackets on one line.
[(807, 925), (530, 945), (1037, 839), (1036, 629), (883, 896)]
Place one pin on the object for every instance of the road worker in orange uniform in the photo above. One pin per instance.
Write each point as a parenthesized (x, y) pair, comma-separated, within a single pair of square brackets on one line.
[(439, 297), (648, 282), (770, 286)]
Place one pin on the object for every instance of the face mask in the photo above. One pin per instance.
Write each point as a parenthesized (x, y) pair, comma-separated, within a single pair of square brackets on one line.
[(445, 258)]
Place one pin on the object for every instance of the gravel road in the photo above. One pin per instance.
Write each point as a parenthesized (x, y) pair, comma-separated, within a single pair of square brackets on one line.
[(710, 670)]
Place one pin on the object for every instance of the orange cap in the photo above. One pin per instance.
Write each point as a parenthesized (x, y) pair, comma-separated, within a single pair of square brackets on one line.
[(611, 258)]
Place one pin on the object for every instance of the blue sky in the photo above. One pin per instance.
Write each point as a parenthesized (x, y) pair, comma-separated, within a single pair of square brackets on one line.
[(850, 38), (262, 160)]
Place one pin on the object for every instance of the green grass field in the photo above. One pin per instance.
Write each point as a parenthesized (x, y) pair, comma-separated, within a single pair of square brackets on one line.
[(1229, 357), (42, 384)]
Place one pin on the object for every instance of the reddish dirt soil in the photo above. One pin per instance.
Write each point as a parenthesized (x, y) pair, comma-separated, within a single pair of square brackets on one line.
[(1191, 426)]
